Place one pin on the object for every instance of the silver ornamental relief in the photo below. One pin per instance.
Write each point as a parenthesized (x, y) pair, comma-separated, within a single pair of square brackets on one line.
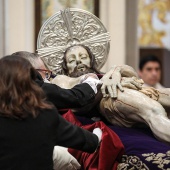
[(72, 27)]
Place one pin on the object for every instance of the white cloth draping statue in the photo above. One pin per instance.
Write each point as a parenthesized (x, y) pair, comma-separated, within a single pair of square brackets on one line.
[(123, 106)]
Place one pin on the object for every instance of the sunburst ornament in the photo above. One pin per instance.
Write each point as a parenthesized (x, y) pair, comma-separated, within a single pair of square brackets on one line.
[(72, 27)]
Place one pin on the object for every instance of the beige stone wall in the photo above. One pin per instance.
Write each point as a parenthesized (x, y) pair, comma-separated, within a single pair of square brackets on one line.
[(112, 14), (19, 29), (19, 21)]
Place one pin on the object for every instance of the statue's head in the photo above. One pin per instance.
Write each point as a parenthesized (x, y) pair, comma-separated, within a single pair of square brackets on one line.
[(78, 60), (67, 34)]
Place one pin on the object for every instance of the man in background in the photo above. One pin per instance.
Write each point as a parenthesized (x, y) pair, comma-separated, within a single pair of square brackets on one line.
[(150, 71)]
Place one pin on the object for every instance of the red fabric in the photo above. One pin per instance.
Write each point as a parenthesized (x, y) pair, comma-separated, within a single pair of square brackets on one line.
[(106, 156)]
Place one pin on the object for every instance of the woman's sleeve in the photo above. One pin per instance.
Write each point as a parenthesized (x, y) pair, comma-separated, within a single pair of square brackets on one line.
[(69, 135), (78, 96)]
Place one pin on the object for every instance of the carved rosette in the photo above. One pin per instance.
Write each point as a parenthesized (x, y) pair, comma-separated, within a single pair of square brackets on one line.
[(72, 27)]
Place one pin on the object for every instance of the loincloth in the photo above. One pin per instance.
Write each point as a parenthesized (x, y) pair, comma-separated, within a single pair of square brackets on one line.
[(108, 108)]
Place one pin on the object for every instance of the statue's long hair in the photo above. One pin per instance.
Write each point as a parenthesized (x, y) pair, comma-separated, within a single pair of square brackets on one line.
[(20, 96)]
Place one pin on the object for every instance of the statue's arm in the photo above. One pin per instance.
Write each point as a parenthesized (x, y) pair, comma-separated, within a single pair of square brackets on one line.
[(126, 71), (66, 82), (83, 103), (68, 97)]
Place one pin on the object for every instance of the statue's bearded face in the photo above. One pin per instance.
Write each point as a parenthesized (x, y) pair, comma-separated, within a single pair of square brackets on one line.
[(77, 61)]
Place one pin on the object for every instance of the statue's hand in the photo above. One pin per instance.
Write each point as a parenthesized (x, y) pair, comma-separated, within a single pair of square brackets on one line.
[(111, 81), (132, 83)]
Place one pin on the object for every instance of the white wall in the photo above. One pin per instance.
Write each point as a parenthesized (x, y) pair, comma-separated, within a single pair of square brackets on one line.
[(19, 21), (112, 14)]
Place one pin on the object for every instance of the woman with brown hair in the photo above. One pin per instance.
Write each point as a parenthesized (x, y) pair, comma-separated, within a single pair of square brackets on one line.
[(30, 126)]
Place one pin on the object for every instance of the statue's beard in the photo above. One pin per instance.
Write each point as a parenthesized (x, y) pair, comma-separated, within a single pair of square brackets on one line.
[(78, 72)]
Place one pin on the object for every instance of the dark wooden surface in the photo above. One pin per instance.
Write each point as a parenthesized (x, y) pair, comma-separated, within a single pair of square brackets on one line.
[(37, 5)]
